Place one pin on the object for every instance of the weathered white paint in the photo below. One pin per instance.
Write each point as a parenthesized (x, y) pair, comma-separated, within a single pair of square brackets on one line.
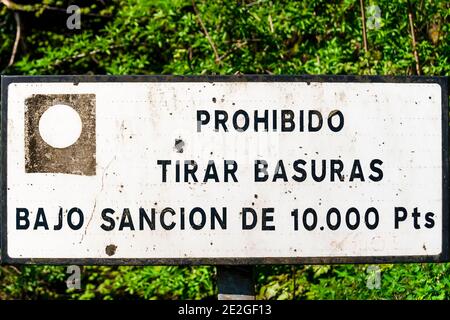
[(60, 126), (137, 124)]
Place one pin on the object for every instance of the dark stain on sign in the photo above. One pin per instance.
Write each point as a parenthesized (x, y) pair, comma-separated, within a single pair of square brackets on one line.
[(111, 249), (78, 158), (179, 145)]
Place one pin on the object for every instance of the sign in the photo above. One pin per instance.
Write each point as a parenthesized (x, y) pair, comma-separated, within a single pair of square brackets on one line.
[(224, 170)]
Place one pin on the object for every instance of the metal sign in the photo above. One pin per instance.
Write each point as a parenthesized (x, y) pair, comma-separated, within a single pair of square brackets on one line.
[(224, 170)]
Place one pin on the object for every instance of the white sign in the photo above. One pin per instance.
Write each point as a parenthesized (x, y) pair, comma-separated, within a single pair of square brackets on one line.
[(129, 170)]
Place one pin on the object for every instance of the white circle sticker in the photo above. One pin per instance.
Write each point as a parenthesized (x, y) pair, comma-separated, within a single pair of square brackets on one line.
[(60, 126)]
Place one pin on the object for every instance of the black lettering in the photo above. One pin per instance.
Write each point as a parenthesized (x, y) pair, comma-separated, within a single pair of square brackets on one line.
[(41, 220), (377, 170), (416, 216), (221, 117), (336, 167), (259, 170), (177, 171), (357, 172), (108, 219), (294, 213), (60, 220), (314, 173), (143, 217), (264, 120), (126, 221), (202, 119), (162, 219), (244, 114), (397, 217), (164, 164), (302, 121), (267, 218), (357, 218), (429, 220), (297, 167), (211, 172), (373, 225), (338, 219), (330, 121), (287, 117), (70, 222), (202, 223), (182, 218), (221, 220), (312, 128), (22, 221), (313, 213), (190, 168), (280, 172), (245, 224), (274, 120), (230, 171)]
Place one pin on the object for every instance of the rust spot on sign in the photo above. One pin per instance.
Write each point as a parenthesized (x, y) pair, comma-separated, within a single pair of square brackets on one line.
[(111, 249)]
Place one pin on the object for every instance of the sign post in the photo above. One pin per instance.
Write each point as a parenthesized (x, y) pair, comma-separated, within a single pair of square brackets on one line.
[(235, 282), (237, 170)]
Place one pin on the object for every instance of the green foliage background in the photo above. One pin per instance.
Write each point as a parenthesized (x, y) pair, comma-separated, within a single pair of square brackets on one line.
[(251, 36)]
